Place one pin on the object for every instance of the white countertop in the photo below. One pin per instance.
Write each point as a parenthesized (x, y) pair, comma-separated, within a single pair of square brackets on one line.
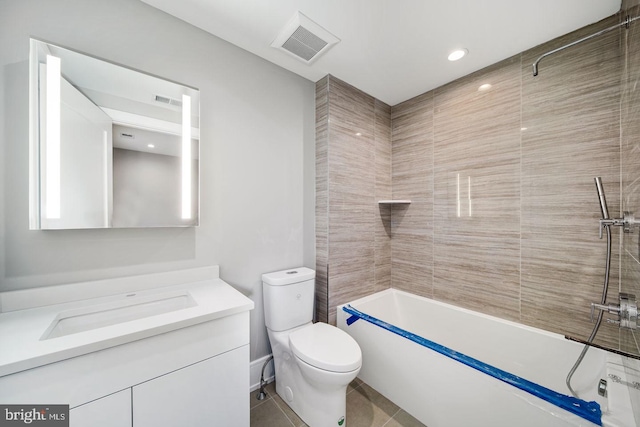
[(22, 331)]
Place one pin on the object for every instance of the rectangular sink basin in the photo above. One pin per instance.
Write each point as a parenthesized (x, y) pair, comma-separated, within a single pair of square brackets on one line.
[(129, 308)]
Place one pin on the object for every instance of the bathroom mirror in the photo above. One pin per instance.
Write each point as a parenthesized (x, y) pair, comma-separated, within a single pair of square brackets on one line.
[(110, 147)]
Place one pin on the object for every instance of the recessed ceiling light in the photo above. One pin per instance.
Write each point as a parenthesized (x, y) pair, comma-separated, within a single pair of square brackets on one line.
[(150, 145), (457, 54), (484, 87)]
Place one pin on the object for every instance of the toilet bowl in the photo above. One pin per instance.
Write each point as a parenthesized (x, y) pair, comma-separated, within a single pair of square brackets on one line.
[(314, 362)]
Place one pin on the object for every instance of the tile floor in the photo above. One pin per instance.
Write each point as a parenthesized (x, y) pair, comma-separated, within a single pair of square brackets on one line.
[(365, 408)]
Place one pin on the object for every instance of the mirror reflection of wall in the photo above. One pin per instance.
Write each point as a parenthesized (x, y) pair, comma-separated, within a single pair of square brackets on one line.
[(146, 183), (110, 146)]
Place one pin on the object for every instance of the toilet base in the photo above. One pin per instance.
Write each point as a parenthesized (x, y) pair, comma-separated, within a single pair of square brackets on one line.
[(315, 408), (318, 397)]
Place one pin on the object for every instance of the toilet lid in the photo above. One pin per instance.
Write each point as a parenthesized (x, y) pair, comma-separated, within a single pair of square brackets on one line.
[(326, 347)]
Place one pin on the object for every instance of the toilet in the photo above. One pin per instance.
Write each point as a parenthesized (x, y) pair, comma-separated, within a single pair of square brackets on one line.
[(314, 362)]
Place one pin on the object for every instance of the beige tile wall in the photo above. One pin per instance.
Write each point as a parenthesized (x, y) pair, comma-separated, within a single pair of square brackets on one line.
[(507, 174), (477, 192), (630, 179), (630, 128), (322, 196), (504, 213), (572, 115), (412, 225), (355, 171), (382, 215)]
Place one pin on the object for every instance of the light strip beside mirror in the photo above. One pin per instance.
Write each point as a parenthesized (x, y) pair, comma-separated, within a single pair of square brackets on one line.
[(53, 138), (186, 157)]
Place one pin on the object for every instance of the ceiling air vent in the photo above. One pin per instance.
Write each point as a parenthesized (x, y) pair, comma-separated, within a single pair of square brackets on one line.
[(304, 39), (167, 100)]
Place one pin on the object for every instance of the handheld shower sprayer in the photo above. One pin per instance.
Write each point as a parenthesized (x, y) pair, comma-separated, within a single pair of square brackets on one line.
[(627, 220), (603, 200), (626, 310)]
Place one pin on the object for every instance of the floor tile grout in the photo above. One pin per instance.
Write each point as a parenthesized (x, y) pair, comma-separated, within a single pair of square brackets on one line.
[(374, 400), (391, 418), (262, 402), (284, 413)]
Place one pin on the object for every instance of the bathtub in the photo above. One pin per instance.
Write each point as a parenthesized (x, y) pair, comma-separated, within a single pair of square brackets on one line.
[(443, 392)]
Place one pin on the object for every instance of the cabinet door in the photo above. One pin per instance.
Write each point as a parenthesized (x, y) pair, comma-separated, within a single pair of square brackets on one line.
[(214, 392), (110, 411)]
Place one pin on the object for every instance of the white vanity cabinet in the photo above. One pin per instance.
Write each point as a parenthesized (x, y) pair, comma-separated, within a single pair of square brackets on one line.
[(185, 367), (194, 376), (208, 393), (110, 411)]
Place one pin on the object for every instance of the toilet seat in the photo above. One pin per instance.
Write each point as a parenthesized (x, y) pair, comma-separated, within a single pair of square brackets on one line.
[(326, 347)]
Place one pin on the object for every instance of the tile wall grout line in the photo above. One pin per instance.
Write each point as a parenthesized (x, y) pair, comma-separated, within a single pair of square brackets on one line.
[(433, 194), (520, 203), (328, 216), (622, 38), (632, 256)]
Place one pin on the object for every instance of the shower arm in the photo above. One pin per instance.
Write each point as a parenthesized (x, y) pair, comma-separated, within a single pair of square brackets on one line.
[(626, 23)]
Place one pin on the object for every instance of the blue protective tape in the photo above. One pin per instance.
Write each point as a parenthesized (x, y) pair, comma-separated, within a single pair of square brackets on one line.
[(590, 411)]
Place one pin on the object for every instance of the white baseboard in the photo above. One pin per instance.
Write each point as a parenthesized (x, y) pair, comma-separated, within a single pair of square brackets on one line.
[(255, 369)]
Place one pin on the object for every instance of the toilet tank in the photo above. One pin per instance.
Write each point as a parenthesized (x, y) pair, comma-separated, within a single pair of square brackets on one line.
[(288, 298)]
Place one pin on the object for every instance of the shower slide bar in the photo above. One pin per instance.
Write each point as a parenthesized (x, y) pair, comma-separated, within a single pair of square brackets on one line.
[(590, 411), (626, 23)]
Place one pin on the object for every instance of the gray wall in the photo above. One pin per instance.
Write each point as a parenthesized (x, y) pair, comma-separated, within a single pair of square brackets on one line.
[(147, 189), (257, 125)]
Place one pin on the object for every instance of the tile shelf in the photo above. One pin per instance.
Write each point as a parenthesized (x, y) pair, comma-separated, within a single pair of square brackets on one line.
[(394, 202)]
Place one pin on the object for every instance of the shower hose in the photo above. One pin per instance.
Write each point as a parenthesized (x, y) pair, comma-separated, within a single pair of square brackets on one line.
[(605, 289)]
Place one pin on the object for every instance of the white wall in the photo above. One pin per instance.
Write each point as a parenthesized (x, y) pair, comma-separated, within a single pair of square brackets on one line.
[(257, 135), (85, 161)]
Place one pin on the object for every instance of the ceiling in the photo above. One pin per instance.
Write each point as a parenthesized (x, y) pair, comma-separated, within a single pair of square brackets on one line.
[(129, 97), (393, 49)]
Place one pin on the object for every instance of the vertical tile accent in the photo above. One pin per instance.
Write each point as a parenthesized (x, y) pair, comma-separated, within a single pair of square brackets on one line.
[(322, 194), (571, 114), (412, 225), (476, 191)]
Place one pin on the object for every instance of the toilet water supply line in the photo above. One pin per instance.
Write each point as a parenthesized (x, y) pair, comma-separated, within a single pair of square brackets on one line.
[(261, 394)]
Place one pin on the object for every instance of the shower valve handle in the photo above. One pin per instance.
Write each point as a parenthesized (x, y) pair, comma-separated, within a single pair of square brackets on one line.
[(609, 308), (627, 222), (627, 311)]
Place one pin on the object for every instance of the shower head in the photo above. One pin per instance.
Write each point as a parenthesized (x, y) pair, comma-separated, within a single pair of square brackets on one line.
[(603, 200)]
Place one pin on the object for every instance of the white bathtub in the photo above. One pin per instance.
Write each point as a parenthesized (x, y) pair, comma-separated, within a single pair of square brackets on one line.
[(442, 392)]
